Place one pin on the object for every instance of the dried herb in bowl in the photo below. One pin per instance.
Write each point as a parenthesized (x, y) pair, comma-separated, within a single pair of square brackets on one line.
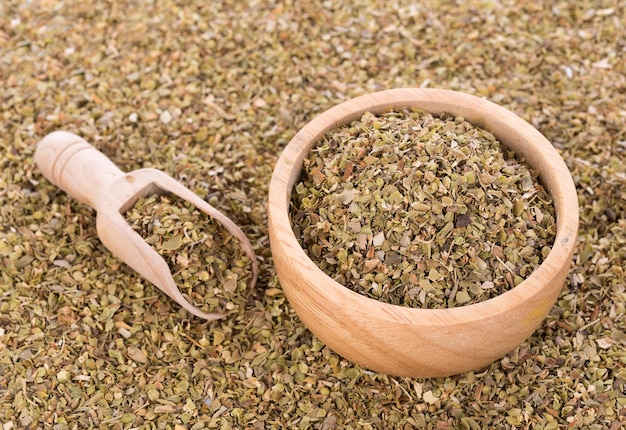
[(207, 262), (420, 210)]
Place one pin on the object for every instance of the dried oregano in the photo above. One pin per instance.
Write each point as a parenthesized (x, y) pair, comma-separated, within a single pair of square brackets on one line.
[(420, 210), (206, 261)]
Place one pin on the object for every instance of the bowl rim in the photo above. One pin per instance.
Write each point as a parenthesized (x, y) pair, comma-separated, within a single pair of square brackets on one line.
[(508, 128)]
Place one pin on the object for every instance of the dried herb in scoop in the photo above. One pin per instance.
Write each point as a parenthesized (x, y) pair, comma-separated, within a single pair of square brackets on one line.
[(206, 261), (420, 210)]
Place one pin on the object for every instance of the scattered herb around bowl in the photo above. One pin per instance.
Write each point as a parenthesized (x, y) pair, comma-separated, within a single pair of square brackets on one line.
[(206, 261), (422, 211)]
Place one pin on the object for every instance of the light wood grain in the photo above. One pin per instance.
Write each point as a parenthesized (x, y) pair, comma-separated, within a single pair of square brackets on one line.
[(422, 342), (85, 173)]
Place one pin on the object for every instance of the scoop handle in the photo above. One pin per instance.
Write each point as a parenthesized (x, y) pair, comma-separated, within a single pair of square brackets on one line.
[(73, 165)]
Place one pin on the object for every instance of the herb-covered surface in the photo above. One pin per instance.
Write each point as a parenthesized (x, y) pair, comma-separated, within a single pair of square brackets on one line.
[(210, 92)]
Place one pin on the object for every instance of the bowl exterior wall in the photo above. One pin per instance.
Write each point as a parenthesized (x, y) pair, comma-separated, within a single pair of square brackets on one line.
[(375, 337)]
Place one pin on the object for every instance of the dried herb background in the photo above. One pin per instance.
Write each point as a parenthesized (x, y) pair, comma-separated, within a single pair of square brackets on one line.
[(211, 92)]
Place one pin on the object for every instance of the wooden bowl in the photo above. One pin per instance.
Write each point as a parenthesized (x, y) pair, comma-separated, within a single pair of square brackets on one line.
[(413, 342)]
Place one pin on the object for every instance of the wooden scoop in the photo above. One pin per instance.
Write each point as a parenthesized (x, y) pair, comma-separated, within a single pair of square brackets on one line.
[(88, 175)]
